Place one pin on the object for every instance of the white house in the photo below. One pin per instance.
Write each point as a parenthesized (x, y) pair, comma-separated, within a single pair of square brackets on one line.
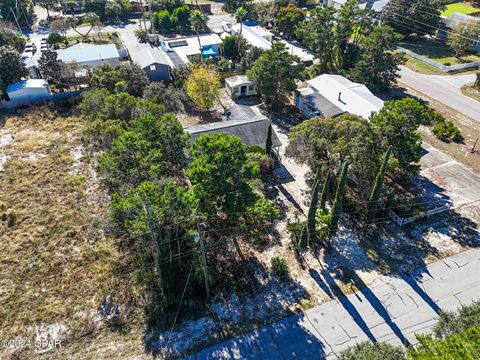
[(239, 86), (333, 95), (90, 55), (178, 51), (29, 90), (375, 5), (262, 38)]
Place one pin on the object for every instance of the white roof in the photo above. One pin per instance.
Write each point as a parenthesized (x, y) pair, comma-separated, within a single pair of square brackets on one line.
[(192, 47), (302, 53), (349, 96), (254, 35), (88, 52), (29, 83), (238, 80)]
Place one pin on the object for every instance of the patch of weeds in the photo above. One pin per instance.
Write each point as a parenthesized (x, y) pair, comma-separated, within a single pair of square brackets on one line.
[(279, 267)]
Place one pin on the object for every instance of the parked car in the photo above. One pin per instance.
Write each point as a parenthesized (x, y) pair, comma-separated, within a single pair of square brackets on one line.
[(227, 26)]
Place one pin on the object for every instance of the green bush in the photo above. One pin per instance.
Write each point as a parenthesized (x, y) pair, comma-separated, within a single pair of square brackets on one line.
[(370, 351), (11, 218), (455, 322), (279, 266), (446, 130), (141, 35)]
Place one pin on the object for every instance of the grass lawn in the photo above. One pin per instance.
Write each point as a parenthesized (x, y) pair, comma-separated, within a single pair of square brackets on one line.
[(106, 38), (421, 67), (459, 7), (437, 51)]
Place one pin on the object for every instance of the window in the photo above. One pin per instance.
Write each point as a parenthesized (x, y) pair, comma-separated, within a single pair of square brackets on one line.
[(251, 88), (152, 67)]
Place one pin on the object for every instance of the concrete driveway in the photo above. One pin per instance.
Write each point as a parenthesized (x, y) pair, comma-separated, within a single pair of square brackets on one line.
[(444, 88), (447, 177), (393, 309)]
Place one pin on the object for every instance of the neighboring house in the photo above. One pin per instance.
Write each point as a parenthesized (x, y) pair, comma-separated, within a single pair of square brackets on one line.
[(262, 38), (154, 63), (375, 5), (29, 90), (333, 95), (448, 24), (90, 55), (239, 86), (250, 128), (179, 51)]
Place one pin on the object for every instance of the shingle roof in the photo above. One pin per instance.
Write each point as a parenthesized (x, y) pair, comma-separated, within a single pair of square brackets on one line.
[(458, 18), (323, 105), (251, 132), (149, 56), (87, 52)]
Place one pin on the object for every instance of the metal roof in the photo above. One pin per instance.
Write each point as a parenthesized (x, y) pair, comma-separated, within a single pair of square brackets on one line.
[(87, 52), (238, 80), (252, 132), (29, 83), (149, 56)]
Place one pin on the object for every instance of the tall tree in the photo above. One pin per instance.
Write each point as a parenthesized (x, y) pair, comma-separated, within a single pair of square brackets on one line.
[(372, 205), (325, 143), (129, 78), (338, 201), (12, 67), (198, 21), (229, 47), (460, 40), (378, 67), (318, 34), (181, 16), (47, 5), (397, 123), (10, 37), (240, 16), (325, 190), (312, 211), (203, 85), (407, 17), (288, 19), (274, 74), (268, 143), (50, 66)]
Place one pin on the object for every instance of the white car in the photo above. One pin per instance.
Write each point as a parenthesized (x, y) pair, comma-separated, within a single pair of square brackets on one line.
[(227, 26)]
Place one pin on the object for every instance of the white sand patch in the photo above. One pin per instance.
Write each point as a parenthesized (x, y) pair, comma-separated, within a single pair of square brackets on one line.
[(3, 160), (34, 156), (6, 139)]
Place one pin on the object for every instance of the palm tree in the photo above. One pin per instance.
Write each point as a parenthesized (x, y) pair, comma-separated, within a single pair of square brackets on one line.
[(198, 21), (240, 16)]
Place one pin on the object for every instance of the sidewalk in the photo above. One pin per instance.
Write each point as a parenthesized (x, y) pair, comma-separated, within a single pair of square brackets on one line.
[(392, 309)]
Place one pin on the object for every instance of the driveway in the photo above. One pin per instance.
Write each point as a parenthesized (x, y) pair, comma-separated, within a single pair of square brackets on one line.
[(448, 178), (393, 309), (444, 88)]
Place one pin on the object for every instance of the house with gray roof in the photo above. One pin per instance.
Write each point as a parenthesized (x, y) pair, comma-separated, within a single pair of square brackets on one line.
[(90, 55), (448, 24), (251, 128), (154, 63)]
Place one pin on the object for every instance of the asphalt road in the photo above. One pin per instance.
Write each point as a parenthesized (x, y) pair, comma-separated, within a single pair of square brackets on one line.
[(444, 88), (392, 309)]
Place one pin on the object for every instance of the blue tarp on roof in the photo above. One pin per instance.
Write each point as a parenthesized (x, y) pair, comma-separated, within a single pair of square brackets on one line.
[(208, 51)]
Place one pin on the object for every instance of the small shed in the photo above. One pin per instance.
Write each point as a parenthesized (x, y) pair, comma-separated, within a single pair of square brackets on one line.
[(29, 90), (239, 86), (154, 63)]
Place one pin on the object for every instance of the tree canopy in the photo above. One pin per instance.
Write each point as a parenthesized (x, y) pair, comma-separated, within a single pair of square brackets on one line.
[(12, 67), (202, 86), (274, 74), (128, 78), (421, 17), (288, 19)]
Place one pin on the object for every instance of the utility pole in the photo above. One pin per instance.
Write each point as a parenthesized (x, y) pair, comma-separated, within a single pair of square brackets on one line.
[(16, 20), (199, 238)]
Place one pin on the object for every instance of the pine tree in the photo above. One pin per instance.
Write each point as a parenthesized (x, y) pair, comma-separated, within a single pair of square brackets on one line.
[(326, 185), (268, 145), (312, 210), (337, 203), (372, 205)]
